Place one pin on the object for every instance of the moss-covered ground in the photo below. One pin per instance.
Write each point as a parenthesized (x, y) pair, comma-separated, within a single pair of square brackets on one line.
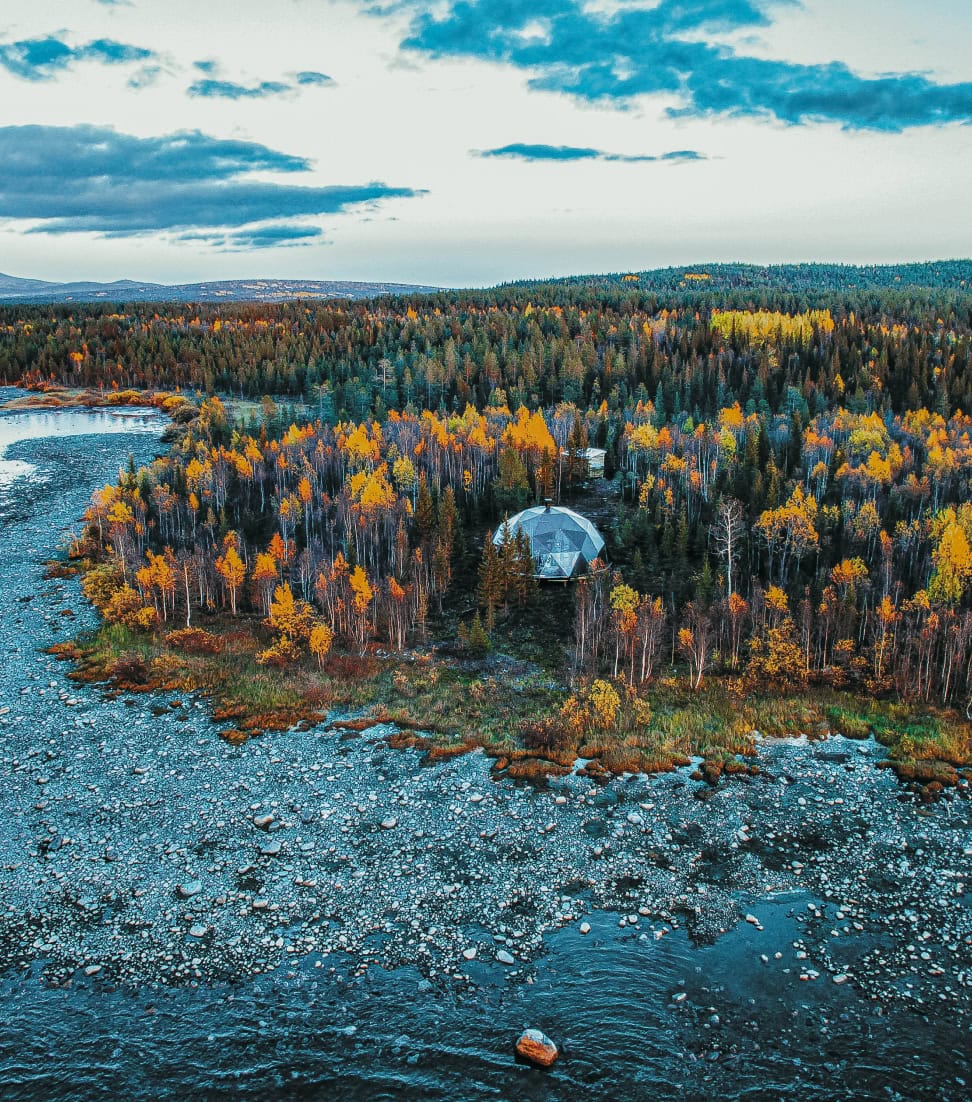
[(447, 702)]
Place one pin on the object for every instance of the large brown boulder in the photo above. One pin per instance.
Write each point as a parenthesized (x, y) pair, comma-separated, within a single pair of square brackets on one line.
[(537, 1047)]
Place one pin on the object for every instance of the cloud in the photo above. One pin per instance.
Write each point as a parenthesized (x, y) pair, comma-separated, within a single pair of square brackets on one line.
[(44, 58), (526, 152), (275, 235), (96, 180), (228, 89), (309, 77), (145, 77), (212, 88), (259, 237), (666, 49)]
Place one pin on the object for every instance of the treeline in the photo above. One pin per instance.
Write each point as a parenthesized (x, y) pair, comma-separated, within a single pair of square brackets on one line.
[(881, 350), (815, 279), (841, 551)]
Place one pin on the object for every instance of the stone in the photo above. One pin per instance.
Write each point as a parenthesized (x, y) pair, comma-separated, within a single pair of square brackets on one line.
[(198, 930), (536, 1047), (504, 957), (271, 848), (585, 927), (189, 889), (390, 823), (469, 954), (262, 821), (92, 970)]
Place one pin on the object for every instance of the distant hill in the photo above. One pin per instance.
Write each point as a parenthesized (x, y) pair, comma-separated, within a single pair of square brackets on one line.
[(748, 281), (14, 289), (935, 274)]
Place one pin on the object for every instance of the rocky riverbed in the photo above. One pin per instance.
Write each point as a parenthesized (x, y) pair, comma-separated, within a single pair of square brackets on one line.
[(140, 849)]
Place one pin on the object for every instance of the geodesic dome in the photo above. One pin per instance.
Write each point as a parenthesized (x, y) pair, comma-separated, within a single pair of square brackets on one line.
[(563, 542)]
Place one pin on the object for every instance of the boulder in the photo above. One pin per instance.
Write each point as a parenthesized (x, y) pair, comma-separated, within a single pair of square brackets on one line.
[(537, 1048)]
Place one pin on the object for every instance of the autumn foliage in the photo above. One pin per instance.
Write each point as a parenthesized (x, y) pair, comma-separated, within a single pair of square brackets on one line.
[(791, 475)]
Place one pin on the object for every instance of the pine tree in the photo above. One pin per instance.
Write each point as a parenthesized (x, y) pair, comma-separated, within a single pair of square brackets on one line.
[(511, 488), (490, 591), (424, 510), (448, 520), (478, 638), (523, 582), (509, 563)]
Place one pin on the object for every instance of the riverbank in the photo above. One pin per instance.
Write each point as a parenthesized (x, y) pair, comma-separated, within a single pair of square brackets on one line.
[(327, 841), (445, 707)]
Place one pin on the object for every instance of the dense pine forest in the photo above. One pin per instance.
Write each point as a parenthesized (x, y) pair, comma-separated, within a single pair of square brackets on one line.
[(786, 492)]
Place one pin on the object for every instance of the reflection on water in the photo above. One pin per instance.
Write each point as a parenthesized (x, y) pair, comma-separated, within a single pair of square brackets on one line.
[(39, 424)]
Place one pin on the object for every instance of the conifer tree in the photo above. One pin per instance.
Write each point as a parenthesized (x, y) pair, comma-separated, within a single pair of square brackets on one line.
[(491, 587), (424, 510), (478, 638)]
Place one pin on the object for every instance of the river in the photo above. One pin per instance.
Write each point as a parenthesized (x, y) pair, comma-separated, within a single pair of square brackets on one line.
[(807, 935)]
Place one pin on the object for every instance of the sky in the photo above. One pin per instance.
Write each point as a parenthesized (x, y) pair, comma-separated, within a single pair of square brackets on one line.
[(468, 142)]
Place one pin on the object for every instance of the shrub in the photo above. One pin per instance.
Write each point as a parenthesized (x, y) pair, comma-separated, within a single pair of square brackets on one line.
[(546, 734), (195, 641), (403, 683), (284, 652), (130, 669), (100, 585)]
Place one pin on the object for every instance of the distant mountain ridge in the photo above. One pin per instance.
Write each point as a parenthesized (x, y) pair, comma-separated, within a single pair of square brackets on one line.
[(14, 289), (681, 280), (953, 275)]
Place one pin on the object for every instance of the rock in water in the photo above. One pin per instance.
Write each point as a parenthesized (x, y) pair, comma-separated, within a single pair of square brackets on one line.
[(537, 1047)]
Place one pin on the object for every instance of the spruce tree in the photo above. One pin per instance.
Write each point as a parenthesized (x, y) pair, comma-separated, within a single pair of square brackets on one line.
[(478, 639), (424, 510), (490, 591)]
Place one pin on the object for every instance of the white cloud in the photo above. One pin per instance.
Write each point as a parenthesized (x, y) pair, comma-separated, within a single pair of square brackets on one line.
[(767, 192)]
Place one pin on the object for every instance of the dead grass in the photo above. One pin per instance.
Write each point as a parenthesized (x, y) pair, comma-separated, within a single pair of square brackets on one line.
[(446, 710), (61, 397)]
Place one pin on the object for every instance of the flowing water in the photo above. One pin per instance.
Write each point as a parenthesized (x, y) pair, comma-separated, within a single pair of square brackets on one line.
[(640, 1011)]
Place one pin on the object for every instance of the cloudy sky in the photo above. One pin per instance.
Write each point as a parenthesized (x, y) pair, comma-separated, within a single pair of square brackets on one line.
[(462, 142)]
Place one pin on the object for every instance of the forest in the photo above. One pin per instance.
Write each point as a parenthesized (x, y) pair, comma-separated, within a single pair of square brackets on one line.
[(785, 499)]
